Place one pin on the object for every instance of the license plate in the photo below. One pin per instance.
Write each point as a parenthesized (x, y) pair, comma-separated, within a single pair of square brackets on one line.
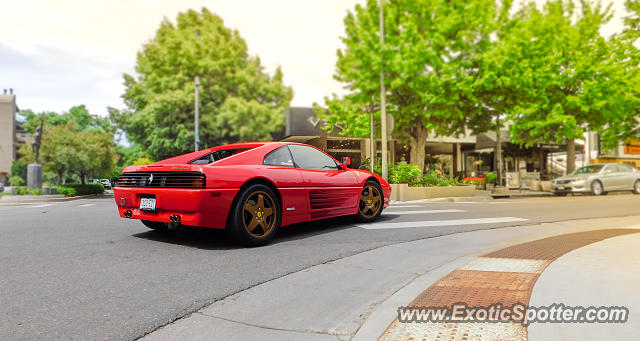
[(148, 204)]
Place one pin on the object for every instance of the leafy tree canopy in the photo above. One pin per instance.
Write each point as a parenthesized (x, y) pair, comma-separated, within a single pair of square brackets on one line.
[(239, 100), (427, 61)]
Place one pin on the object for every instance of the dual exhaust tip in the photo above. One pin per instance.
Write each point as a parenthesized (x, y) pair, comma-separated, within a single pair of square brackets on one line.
[(175, 222)]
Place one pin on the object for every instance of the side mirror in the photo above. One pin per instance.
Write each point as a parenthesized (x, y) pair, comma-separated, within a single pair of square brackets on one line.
[(346, 161)]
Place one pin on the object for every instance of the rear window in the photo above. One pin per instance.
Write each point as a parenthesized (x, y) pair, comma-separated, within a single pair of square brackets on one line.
[(217, 156)]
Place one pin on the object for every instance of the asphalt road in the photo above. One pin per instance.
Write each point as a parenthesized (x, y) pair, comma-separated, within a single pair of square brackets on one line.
[(75, 270)]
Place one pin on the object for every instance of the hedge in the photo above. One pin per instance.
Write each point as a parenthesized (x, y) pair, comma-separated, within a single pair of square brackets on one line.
[(81, 189)]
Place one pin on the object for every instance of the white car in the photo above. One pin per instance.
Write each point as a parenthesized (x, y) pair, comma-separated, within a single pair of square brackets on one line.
[(598, 180)]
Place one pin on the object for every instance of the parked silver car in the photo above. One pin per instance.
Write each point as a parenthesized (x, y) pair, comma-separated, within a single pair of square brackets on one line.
[(598, 180)]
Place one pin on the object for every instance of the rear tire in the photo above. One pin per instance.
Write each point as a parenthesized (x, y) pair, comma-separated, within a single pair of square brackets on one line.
[(255, 217), (596, 188), (371, 202), (636, 187), (155, 225)]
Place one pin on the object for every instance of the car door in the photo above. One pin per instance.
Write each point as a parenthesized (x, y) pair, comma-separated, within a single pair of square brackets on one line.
[(281, 170), (610, 178), (331, 189), (626, 176)]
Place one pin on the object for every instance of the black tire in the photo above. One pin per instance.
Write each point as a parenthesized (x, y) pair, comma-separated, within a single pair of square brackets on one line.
[(560, 194), (597, 188), (371, 203), (242, 220), (155, 225), (636, 187)]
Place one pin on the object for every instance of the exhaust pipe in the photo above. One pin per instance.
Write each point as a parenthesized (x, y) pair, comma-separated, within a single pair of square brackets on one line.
[(127, 214), (174, 222)]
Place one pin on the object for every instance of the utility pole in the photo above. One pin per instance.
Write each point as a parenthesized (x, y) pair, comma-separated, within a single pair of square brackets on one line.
[(372, 141), (197, 118), (383, 100)]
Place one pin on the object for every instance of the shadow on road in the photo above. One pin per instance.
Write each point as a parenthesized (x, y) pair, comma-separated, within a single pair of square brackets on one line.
[(214, 239)]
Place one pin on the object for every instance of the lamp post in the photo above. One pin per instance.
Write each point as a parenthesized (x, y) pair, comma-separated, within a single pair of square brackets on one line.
[(197, 118), (383, 101), (372, 141)]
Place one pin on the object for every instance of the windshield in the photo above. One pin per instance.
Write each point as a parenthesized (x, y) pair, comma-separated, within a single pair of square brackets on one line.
[(589, 169)]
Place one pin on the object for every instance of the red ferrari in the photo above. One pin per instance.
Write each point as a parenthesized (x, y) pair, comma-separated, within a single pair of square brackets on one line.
[(251, 189)]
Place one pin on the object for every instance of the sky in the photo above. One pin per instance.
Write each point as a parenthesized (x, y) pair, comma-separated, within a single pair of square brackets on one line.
[(56, 54)]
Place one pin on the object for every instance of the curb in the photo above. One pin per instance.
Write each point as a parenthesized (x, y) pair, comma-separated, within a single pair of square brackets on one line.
[(21, 199)]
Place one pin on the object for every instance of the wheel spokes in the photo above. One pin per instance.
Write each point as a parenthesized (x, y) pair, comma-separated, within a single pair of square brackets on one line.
[(253, 224), (260, 203)]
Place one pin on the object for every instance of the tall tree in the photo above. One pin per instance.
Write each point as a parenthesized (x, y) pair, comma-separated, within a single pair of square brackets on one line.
[(571, 79), (239, 100), (427, 60)]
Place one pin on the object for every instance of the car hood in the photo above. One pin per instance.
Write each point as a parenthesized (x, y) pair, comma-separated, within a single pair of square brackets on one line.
[(576, 176)]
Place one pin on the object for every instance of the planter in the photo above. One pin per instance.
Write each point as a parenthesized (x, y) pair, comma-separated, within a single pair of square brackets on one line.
[(402, 192), (535, 185), (546, 186)]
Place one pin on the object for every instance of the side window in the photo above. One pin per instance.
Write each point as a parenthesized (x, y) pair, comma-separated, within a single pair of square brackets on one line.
[(280, 157), (624, 168), (311, 158)]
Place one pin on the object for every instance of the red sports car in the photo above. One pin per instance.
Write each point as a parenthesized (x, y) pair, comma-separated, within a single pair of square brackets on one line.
[(251, 189)]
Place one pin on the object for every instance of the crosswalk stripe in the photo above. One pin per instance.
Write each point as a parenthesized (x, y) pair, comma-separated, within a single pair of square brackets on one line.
[(422, 211), (404, 206), (432, 223)]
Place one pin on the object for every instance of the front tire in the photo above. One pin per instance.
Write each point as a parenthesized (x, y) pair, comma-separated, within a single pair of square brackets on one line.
[(636, 187), (256, 215), (371, 202), (155, 225), (596, 188)]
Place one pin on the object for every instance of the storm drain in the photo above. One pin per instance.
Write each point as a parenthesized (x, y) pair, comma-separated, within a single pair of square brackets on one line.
[(504, 277)]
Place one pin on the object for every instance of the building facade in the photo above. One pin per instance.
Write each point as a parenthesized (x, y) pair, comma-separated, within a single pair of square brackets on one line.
[(461, 156), (8, 143)]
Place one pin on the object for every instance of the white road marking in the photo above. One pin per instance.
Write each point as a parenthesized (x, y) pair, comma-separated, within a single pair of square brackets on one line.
[(86, 205), (422, 211), (43, 205), (404, 206), (432, 223), (533, 266)]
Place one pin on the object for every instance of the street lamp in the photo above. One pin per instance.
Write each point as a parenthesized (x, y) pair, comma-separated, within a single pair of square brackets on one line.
[(197, 118), (383, 100)]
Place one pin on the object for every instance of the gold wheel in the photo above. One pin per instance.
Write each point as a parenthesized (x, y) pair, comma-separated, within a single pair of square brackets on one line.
[(370, 201), (258, 214)]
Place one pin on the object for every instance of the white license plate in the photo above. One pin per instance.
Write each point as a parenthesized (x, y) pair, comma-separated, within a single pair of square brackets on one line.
[(148, 204)]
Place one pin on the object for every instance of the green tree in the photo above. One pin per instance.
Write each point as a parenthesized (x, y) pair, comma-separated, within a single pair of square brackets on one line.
[(427, 61), (239, 100), (74, 142), (562, 76)]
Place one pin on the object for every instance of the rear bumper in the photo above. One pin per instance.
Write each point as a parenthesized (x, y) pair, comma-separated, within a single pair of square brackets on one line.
[(196, 207)]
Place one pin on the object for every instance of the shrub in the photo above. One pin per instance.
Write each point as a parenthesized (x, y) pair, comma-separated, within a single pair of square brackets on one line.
[(432, 179), (26, 191), (401, 173), (16, 180), (85, 189), (66, 191), (491, 177)]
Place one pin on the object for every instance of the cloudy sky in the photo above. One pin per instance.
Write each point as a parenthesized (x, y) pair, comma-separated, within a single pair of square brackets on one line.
[(61, 53)]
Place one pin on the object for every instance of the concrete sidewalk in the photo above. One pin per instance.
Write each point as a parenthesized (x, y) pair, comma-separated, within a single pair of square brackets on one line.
[(601, 274), (354, 297)]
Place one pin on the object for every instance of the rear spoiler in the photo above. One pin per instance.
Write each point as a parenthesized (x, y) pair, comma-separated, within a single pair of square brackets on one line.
[(164, 168)]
